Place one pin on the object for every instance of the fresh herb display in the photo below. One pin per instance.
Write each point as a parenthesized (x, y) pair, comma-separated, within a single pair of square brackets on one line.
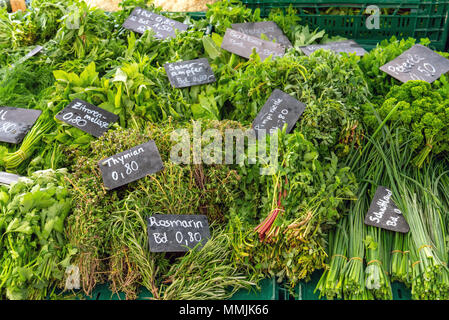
[(119, 216), (331, 282), (353, 286), (35, 251), (423, 110), (63, 233), (379, 82), (294, 208)]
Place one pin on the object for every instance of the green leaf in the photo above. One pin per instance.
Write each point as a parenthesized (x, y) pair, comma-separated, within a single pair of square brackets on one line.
[(118, 97), (120, 76), (217, 39), (206, 109), (25, 273), (89, 75), (83, 140), (107, 106), (16, 293), (212, 50), (61, 76), (19, 226)]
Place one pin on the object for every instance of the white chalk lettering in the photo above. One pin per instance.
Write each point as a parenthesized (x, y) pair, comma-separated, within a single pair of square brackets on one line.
[(3, 114), (115, 160), (175, 223)]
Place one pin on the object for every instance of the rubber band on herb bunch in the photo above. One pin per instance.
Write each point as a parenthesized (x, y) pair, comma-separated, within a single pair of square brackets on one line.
[(356, 258), (424, 246), (339, 255), (373, 261)]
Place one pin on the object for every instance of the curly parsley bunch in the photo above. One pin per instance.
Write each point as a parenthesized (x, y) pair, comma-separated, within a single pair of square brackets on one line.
[(421, 110)]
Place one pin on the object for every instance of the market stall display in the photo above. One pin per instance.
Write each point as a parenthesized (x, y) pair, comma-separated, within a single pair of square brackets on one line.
[(196, 158)]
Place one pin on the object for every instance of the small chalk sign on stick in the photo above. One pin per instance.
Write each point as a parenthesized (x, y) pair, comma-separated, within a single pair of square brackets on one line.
[(189, 73), (141, 20), (346, 46), (30, 54), (131, 165), (268, 28), (417, 63), (242, 44), (16, 122), (8, 178), (33, 52), (177, 233), (87, 117), (384, 214), (280, 108)]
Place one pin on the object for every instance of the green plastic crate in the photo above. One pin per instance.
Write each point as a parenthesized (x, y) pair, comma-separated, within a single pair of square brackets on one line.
[(102, 292), (305, 290), (425, 19), (197, 15), (268, 291), (400, 291)]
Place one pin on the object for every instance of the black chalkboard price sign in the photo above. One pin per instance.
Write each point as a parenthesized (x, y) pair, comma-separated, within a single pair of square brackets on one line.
[(177, 233), (346, 46), (189, 73), (141, 20), (417, 63), (279, 109), (16, 122), (242, 44), (268, 28), (87, 117), (384, 214), (130, 165)]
